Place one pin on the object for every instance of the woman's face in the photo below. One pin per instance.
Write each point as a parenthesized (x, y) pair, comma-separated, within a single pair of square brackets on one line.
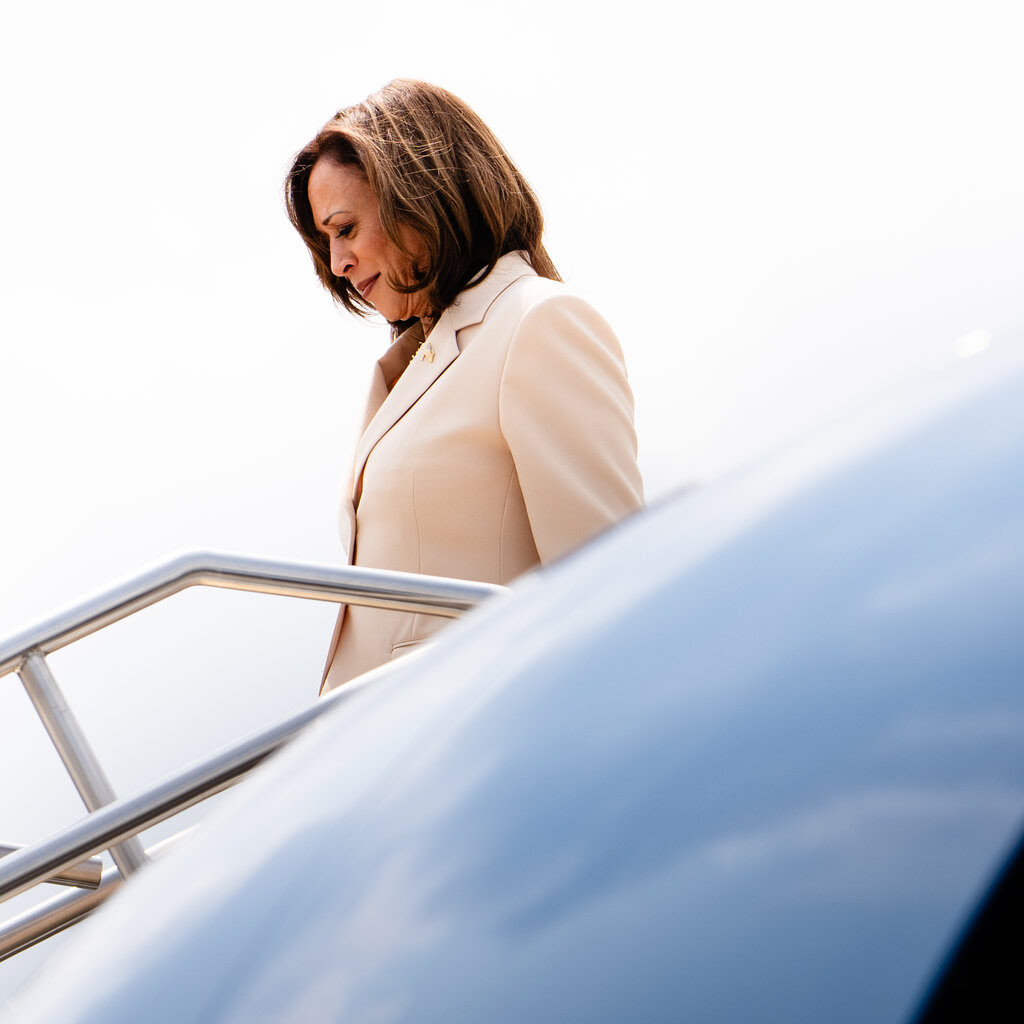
[(345, 210)]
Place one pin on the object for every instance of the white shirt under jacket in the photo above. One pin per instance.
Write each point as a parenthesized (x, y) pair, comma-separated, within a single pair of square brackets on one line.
[(506, 441)]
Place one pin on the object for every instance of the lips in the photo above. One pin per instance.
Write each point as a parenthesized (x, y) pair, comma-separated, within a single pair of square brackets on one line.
[(365, 287)]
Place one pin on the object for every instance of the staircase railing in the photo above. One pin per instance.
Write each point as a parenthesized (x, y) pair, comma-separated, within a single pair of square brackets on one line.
[(113, 824)]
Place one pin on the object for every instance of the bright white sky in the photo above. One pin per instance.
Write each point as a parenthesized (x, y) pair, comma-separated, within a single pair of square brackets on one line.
[(784, 209)]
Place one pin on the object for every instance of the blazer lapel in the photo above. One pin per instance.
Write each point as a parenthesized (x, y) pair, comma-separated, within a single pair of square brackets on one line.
[(429, 361), (433, 357)]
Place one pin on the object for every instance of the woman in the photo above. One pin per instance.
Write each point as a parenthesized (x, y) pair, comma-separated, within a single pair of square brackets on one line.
[(499, 427)]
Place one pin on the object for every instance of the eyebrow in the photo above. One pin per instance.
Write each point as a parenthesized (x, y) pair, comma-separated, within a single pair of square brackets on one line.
[(329, 216)]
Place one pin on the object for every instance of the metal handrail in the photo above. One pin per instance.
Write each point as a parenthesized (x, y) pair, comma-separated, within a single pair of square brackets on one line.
[(350, 584), (171, 795), (54, 915), (86, 875), (174, 793), (114, 824)]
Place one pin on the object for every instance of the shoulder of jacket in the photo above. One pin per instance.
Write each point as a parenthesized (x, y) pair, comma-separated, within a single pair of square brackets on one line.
[(531, 293)]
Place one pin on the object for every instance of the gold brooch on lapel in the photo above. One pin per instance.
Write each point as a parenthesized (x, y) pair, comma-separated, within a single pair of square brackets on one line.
[(427, 352)]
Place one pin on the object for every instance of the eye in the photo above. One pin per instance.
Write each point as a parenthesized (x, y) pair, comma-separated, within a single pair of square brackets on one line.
[(343, 232)]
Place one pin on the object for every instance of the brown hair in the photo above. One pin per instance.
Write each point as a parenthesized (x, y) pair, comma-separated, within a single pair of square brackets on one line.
[(435, 167)]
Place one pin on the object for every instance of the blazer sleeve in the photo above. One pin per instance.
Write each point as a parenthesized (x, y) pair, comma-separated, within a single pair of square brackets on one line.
[(566, 413)]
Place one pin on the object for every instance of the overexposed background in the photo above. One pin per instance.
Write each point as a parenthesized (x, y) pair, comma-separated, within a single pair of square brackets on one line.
[(783, 209)]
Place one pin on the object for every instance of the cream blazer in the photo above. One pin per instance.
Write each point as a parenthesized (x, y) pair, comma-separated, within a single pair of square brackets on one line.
[(506, 441)]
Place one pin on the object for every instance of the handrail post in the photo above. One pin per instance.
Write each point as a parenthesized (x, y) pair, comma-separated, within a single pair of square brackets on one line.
[(78, 757)]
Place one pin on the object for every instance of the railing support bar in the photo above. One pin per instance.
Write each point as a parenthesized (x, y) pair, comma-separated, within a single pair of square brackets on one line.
[(78, 757)]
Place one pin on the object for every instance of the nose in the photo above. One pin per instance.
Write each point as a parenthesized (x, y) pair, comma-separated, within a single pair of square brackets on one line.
[(342, 260)]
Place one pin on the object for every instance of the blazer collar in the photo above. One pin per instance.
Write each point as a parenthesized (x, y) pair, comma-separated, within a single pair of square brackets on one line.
[(430, 359), (470, 306)]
